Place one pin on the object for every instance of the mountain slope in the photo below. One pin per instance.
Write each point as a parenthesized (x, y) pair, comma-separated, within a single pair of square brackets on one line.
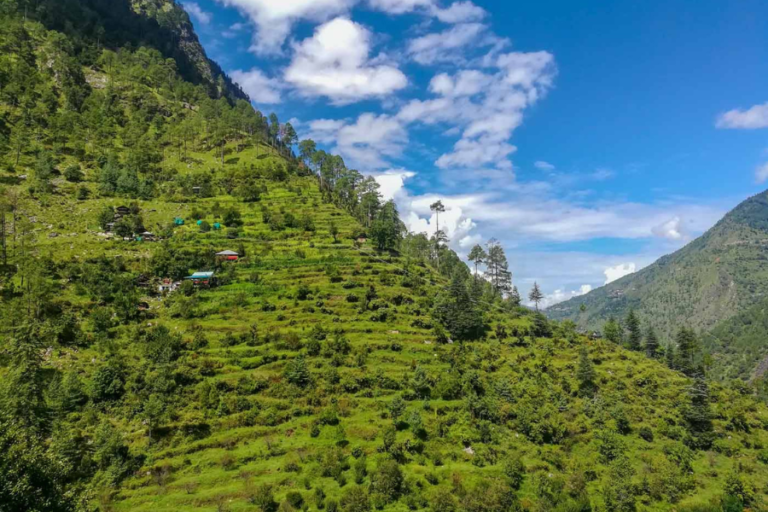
[(161, 24), (712, 279)]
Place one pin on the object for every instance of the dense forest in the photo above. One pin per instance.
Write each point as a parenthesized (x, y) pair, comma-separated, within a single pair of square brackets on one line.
[(202, 312)]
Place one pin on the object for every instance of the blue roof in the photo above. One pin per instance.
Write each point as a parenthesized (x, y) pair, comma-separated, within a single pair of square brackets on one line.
[(201, 275)]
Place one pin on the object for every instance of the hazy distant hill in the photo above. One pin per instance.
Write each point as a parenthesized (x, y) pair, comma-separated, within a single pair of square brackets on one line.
[(712, 279)]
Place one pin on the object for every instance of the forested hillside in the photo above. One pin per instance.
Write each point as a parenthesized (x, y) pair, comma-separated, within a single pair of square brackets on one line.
[(713, 279), (199, 312)]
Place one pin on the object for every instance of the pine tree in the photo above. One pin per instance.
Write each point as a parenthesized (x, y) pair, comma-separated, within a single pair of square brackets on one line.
[(514, 297), (536, 295), (386, 228), (498, 270), (651, 343), (458, 313), (477, 256), (635, 339), (586, 374), (670, 356), (613, 332), (698, 415), (687, 352), (438, 208)]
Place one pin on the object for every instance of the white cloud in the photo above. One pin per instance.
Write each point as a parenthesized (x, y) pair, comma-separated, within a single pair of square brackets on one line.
[(614, 273), (490, 107), (399, 6), (258, 86), (442, 46), (465, 83), (561, 295), (544, 166), (671, 229), (761, 173), (194, 10), (367, 143), (392, 182), (750, 119), (335, 63), (485, 150), (275, 18), (459, 12)]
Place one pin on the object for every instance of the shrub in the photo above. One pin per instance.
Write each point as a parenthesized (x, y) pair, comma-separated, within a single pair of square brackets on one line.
[(514, 470), (264, 499), (73, 173), (303, 292), (387, 481), (355, 500), (646, 434), (295, 499)]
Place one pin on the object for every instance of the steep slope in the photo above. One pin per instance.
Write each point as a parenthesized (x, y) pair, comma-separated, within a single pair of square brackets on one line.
[(710, 280), (161, 24)]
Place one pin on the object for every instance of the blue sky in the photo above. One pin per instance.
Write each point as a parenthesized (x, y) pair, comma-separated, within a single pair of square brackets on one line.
[(590, 138)]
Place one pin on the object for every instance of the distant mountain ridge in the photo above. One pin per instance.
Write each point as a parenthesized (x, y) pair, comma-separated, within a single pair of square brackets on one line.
[(714, 278)]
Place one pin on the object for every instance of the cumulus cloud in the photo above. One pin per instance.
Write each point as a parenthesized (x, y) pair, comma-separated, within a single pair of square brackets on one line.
[(335, 63), (366, 143), (459, 12), (258, 86), (274, 19), (488, 106), (750, 119), (399, 6), (442, 46), (619, 271), (761, 173), (199, 15), (544, 166), (559, 296), (392, 182), (671, 229)]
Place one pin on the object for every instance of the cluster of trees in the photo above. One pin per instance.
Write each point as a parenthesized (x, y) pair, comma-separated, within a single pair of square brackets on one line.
[(683, 354)]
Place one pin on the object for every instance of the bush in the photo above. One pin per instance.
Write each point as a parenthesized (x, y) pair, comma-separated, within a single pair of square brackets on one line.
[(264, 499), (514, 470), (233, 233), (73, 174), (387, 481), (646, 434), (295, 499), (355, 500)]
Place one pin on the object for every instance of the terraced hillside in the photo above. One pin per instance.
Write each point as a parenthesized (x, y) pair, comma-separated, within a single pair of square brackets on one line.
[(338, 364), (294, 374)]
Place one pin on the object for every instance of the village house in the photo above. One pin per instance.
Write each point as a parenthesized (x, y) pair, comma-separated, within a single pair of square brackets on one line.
[(227, 256), (202, 278)]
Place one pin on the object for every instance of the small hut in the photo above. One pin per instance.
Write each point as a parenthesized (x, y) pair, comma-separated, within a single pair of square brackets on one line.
[(148, 237), (202, 278), (227, 256)]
